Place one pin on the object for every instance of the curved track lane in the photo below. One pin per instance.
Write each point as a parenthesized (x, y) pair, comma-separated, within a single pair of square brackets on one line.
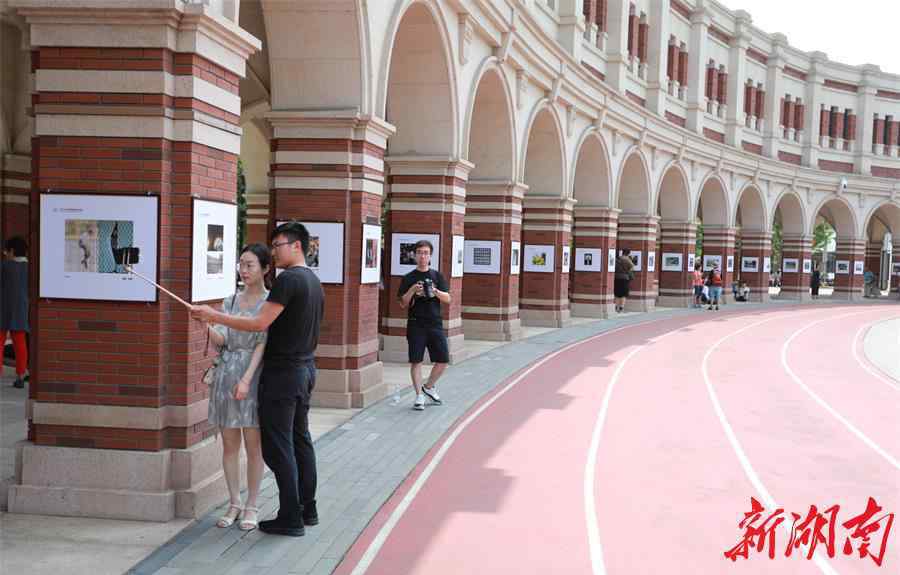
[(637, 451)]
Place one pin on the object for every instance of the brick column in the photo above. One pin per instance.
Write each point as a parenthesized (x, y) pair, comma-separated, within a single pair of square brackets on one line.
[(895, 278), (331, 169), (678, 238), (719, 241), (491, 302), (795, 286), (142, 103), (427, 196), (873, 259), (544, 299), (850, 285), (15, 192), (638, 233), (592, 290), (758, 245)]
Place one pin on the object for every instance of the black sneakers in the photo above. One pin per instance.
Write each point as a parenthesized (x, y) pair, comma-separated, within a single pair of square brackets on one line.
[(280, 527), (19, 383), (310, 515)]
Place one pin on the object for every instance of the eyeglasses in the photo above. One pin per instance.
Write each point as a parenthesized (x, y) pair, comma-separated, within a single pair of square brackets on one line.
[(423, 253), (277, 245)]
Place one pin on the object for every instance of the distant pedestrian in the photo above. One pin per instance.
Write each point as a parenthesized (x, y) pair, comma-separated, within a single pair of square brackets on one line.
[(14, 304), (714, 282), (815, 281), (697, 284), (622, 279)]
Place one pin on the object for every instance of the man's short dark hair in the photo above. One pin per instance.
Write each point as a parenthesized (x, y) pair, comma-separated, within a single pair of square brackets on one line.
[(293, 232), (18, 246), (424, 244), (626, 252)]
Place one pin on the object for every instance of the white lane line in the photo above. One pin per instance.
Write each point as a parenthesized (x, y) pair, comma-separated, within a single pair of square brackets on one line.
[(751, 474), (378, 542), (590, 471), (859, 360), (822, 403)]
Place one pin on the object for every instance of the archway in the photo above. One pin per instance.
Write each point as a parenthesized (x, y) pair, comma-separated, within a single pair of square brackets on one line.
[(754, 245), (677, 238), (882, 231), (835, 231), (637, 230), (716, 232)]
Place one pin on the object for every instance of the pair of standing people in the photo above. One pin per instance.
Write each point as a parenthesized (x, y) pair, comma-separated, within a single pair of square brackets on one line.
[(268, 404)]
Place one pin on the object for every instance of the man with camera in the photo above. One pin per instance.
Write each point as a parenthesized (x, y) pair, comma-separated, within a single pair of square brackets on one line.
[(421, 293)]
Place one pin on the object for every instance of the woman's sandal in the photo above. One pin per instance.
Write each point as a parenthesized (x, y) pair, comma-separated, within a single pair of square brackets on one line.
[(228, 520), (249, 524)]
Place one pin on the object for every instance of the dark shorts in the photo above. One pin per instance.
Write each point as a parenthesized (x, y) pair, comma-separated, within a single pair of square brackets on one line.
[(620, 287), (421, 338), (698, 291)]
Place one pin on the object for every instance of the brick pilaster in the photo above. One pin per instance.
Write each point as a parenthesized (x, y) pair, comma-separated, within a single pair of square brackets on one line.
[(849, 285), (873, 259), (15, 196), (591, 291), (795, 286), (638, 233), (755, 244), (491, 302), (331, 169), (677, 238), (427, 196), (544, 297)]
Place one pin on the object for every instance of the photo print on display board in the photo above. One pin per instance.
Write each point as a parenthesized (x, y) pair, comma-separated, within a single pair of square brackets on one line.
[(539, 258), (651, 261), (371, 255), (515, 256), (86, 241), (807, 266), (767, 265), (214, 262), (729, 264), (858, 267), (708, 262), (326, 250), (750, 264), (458, 265), (636, 260), (403, 252), (589, 260), (790, 265), (671, 262), (482, 257), (690, 263), (895, 268), (566, 256), (842, 267), (611, 260)]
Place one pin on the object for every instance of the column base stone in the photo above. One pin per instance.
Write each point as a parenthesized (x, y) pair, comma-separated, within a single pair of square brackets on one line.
[(506, 330), (348, 388), (594, 310), (545, 318), (675, 300)]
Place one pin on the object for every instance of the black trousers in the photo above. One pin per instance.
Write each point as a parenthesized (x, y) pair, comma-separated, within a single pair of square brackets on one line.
[(287, 446)]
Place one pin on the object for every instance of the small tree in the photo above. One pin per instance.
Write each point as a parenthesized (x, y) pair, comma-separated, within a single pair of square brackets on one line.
[(776, 244), (823, 233), (241, 204), (698, 244)]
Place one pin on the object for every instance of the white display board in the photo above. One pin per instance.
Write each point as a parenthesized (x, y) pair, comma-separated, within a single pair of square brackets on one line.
[(671, 262), (807, 266), (767, 265), (589, 260), (482, 257), (690, 262), (858, 268), (213, 265), (790, 265), (750, 264), (611, 260), (729, 264), (842, 267), (326, 250), (515, 258), (371, 254), (636, 260), (895, 269), (403, 253), (708, 262), (566, 259), (539, 258), (86, 240), (651, 261), (459, 246)]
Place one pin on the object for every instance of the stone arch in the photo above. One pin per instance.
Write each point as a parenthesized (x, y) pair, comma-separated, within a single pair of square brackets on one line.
[(838, 212), (790, 209), (751, 209), (712, 202), (489, 139), (673, 200), (591, 177), (544, 143), (633, 184), (418, 92), (883, 217)]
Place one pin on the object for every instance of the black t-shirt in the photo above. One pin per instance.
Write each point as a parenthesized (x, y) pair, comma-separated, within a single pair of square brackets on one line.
[(422, 311), (294, 334)]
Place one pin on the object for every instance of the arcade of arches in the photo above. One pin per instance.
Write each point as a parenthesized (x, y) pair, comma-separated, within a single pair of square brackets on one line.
[(537, 129)]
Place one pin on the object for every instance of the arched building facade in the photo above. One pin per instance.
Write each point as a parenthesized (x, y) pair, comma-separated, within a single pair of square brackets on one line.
[(550, 132)]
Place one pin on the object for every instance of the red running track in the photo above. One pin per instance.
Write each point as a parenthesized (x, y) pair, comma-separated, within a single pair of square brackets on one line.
[(638, 451)]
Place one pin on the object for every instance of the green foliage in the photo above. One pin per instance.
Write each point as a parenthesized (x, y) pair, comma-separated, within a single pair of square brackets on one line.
[(822, 234), (776, 245), (241, 204), (698, 245)]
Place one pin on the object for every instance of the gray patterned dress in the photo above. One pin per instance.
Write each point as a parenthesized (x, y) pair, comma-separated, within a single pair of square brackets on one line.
[(224, 410)]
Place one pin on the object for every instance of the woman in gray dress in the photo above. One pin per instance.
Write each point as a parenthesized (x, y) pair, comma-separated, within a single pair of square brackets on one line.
[(233, 394)]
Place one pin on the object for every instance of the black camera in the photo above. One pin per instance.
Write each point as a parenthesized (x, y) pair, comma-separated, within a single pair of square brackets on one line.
[(429, 288)]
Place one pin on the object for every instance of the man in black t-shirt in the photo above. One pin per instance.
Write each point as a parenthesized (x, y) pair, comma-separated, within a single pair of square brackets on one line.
[(422, 292), (292, 315)]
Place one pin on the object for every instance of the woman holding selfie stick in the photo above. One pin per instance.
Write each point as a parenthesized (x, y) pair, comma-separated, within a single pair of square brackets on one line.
[(233, 393)]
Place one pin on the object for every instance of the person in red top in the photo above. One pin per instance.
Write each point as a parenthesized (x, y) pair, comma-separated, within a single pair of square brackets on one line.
[(714, 282), (697, 284)]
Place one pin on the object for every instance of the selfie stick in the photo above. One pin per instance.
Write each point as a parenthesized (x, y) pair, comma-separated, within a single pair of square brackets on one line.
[(130, 269)]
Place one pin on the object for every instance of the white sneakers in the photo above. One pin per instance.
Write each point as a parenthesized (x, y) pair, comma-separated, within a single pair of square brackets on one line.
[(419, 403)]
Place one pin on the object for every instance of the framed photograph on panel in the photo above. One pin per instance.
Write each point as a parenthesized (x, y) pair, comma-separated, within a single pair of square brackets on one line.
[(651, 261), (895, 269), (807, 266), (708, 262), (691, 258), (611, 260), (858, 268), (589, 260), (326, 250), (539, 258), (671, 262), (482, 257), (403, 252), (790, 265), (515, 258), (729, 264), (767, 265), (459, 247), (371, 254), (214, 258), (87, 240), (636, 260), (842, 267), (750, 264), (566, 257)]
